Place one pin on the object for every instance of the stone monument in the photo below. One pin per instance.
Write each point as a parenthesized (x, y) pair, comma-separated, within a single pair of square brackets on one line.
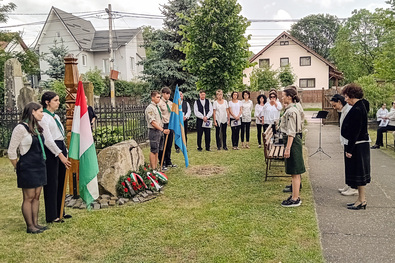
[(13, 83)]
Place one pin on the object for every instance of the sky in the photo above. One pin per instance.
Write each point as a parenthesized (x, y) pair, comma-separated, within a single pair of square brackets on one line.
[(262, 33)]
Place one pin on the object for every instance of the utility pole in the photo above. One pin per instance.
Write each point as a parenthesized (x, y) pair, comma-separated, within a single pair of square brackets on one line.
[(112, 86)]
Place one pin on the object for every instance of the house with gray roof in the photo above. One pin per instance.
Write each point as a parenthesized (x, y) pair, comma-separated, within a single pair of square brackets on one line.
[(90, 46)]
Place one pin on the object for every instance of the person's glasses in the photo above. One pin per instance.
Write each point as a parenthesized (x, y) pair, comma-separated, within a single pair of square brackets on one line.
[(272, 97)]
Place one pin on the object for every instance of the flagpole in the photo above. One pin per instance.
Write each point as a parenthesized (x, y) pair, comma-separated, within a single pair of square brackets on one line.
[(163, 154)]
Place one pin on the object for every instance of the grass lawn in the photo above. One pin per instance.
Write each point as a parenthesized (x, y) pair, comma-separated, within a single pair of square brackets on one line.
[(390, 139), (232, 216)]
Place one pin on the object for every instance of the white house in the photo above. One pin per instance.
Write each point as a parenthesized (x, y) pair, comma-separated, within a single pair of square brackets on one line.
[(14, 46), (312, 70), (91, 47)]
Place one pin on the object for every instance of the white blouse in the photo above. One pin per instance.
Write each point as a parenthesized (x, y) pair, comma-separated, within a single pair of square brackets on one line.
[(346, 108), (235, 108), (381, 113), (221, 114), (247, 109), (259, 111), (51, 133), (21, 139), (272, 113)]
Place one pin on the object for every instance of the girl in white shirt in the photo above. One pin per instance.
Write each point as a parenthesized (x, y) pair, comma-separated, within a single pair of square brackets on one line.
[(272, 111), (221, 119), (235, 110), (246, 118), (30, 168), (382, 112), (259, 116), (56, 152)]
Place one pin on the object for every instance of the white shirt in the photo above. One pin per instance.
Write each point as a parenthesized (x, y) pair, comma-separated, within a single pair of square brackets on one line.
[(272, 113), (346, 108), (381, 113), (247, 109), (188, 114), (234, 108), (207, 114), (259, 111), (391, 117), (21, 139), (51, 132), (221, 114)]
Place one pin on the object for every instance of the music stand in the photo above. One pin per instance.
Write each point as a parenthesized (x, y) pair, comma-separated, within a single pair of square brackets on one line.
[(320, 115)]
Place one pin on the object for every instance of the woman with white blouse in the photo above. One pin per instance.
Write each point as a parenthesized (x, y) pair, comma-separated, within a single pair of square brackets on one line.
[(272, 111), (246, 118), (382, 112), (30, 168), (235, 111), (221, 119), (57, 161), (259, 116)]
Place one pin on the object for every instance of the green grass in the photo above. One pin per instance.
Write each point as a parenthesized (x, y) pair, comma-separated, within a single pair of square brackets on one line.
[(390, 139), (234, 216), (312, 109)]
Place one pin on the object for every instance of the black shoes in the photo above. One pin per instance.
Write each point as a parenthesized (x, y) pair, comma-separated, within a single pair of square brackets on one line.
[(66, 216), (178, 150), (291, 203), (288, 188), (43, 228), (199, 149), (358, 207), (375, 147), (225, 148), (30, 231)]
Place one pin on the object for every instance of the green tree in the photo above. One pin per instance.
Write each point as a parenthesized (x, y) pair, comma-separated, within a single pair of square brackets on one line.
[(376, 93), (56, 60), (162, 66), (4, 10), (215, 46), (318, 32), (263, 79), (358, 43), (94, 76), (286, 76)]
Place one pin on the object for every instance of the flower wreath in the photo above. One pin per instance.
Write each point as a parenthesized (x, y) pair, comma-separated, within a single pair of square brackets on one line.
[(144, 179)]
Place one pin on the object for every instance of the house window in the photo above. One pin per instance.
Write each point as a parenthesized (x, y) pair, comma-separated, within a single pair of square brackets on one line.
[(264, 62), (84, 60), (307, 83), (57, 34), (132, 63), (106, 66), (305, 61), (284, 62), (284, 43)]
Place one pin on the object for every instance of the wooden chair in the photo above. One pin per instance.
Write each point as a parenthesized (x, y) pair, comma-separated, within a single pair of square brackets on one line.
[(273, 152)]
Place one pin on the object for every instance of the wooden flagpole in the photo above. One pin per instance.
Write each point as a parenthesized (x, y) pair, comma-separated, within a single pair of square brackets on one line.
[(164, 151)]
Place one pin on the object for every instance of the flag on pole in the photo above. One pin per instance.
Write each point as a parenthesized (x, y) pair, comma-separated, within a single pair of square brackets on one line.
[(82, 148), (176, 124)]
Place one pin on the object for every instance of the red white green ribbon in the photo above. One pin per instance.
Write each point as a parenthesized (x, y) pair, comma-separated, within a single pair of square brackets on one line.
[(138, 178), (161, 175), (157, 186)]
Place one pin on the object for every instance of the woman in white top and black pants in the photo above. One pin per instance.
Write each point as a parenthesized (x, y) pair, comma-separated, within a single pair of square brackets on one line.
[(56, 153), (221, 119), (272, 111), (235, 110), (30, 168), (246, 118)]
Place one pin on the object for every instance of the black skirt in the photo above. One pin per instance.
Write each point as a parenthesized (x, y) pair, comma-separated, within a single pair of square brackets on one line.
[(358, 166)]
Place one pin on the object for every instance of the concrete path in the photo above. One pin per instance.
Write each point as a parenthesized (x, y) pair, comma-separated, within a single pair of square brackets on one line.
[(347, 235)]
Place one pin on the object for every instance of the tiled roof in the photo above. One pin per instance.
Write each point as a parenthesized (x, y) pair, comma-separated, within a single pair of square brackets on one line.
[(119, 38)]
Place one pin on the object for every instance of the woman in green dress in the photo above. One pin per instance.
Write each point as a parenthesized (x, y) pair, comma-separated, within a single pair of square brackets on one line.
[(291, 126)]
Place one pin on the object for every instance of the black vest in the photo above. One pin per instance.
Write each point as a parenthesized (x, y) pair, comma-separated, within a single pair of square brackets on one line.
[(206, 107), (184, 107)]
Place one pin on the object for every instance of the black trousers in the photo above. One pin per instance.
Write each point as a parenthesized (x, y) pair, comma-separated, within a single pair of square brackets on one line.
[(245, 128), (220, 131), (235, 134), (185, 132), (53, 191), (259, 135), (200, 131), (380, 131), (167, 158)]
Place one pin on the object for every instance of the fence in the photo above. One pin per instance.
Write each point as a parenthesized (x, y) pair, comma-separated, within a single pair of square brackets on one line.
[(113, 124)]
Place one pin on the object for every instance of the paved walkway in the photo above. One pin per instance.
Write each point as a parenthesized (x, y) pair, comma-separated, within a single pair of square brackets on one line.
[(347, 235)]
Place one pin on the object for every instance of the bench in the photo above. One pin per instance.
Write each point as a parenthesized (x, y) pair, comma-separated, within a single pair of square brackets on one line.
[(273, 152), (386, 140)]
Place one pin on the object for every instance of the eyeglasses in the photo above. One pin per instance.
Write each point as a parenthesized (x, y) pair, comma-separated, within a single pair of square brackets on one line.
[(272, 97)]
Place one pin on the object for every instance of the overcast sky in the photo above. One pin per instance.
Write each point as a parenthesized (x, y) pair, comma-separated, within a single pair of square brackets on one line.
[(29, 11)]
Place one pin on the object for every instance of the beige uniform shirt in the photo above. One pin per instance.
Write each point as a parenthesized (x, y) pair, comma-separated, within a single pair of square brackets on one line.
[(152, 114), (291, 121), (165, 111)]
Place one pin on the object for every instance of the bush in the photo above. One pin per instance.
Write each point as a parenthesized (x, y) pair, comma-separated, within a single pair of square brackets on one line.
[(94, 76), (59, 88), (126, 88), (376, 93)]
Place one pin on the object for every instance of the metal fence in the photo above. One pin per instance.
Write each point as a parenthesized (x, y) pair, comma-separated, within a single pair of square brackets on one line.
[(113, 124)]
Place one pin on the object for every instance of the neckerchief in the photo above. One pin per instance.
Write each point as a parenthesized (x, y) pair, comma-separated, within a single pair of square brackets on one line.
[(41, 143), (56, 120), (160, 114), (168, 108)]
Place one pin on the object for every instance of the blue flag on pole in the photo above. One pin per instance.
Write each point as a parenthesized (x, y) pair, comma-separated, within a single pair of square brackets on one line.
[(176, 124)]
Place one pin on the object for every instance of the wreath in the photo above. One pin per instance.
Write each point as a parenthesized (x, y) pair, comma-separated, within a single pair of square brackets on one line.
[(144, 179)]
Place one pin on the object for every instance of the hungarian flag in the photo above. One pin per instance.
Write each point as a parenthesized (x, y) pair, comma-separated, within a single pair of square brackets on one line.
[(82, 148)]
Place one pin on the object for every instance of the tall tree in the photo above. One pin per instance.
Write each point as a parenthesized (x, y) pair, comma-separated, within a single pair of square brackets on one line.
[(318, 32), (263, 79), (358, 43), (4, 10), (56, 60), (162, 66), (285, 76), (215, 46)]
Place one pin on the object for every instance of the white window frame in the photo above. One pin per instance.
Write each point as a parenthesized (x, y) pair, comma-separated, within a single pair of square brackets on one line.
[(84, 60), (106, 66)]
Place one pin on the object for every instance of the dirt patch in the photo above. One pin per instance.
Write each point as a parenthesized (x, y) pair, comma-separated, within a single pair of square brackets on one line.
[(206, 170)]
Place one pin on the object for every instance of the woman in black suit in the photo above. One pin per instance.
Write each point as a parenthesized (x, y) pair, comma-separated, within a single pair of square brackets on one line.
[(357, 151)]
